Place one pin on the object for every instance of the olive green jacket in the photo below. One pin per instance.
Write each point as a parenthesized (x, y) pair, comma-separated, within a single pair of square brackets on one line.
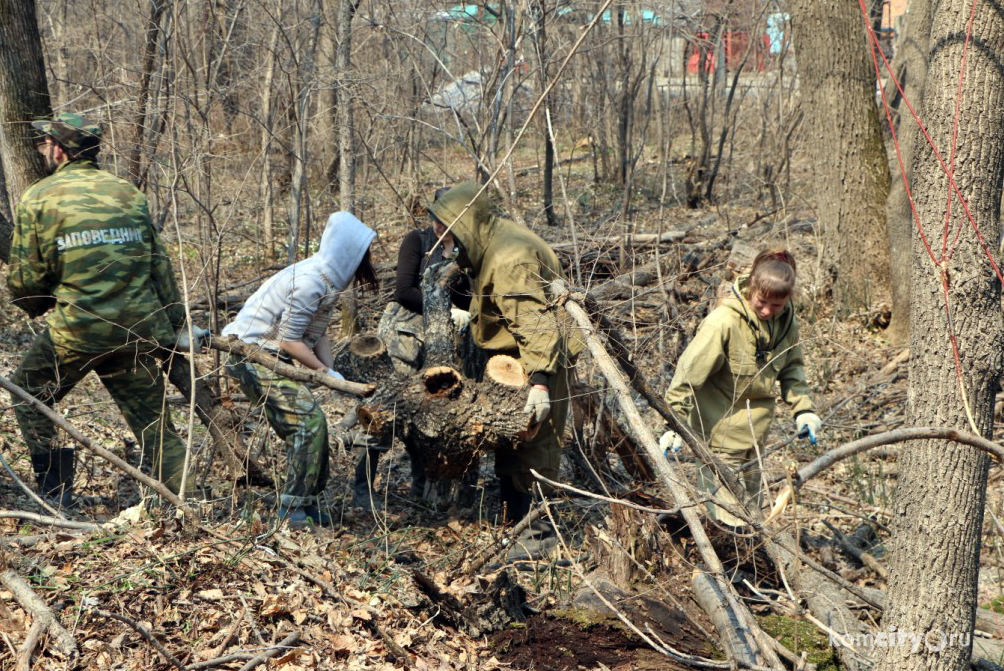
[(86, 252), (720, 372), (511, 269)]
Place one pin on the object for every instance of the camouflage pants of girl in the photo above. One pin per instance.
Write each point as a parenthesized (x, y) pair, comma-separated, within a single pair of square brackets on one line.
[(295, 415)]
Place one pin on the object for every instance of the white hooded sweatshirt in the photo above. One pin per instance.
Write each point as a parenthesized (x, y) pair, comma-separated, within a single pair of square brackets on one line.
[(296, 303)]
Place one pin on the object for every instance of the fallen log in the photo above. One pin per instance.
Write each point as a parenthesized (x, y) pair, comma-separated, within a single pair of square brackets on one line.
[(709, 597), (742, 631), (449, 419), (625, 285), (233, 345), (446, 419)]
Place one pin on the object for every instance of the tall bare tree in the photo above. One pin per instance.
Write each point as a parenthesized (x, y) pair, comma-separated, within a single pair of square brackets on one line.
[(24, 95), (346, 140), (911, 70), (850, 167), (935, 551)]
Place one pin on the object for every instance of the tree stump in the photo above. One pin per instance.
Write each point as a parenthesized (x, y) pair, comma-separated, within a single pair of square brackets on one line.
[(365, 359)]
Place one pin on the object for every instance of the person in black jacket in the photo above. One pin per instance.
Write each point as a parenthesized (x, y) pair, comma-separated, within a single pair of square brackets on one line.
[(401, 329)]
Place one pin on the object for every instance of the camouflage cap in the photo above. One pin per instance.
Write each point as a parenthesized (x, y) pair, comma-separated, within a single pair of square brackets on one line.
[(72, 131)]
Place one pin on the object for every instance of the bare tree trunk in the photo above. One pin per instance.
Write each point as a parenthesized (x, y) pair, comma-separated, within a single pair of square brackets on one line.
[(543, 60), (346, 130), (299, 202), (851, 170), (139, 122), (935, 549), (24, 96), (267, 132), (6, 218), (911, 68)]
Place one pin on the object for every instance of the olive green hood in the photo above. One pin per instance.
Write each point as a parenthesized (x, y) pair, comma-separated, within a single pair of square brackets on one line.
[(473, 227)]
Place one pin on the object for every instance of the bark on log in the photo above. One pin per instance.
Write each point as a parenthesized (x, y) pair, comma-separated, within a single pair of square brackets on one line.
[(254, 353), (498, 602), (437, 324), (450, 420), (629, 545), (223, 425), (671, 480), (709, 597), (598, 427)]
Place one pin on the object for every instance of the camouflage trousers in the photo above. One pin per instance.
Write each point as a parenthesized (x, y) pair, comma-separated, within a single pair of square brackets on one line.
[(131, 375), (298, 419), (541, 453)]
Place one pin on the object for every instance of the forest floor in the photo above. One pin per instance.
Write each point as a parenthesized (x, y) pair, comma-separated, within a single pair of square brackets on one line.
[(359, 593)]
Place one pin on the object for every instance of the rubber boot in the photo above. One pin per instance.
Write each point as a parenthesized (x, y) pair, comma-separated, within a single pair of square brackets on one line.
[(418, 477), (54, 476), (515, 502), (366, 471), (535, 543), (304, 517), (467, 490)]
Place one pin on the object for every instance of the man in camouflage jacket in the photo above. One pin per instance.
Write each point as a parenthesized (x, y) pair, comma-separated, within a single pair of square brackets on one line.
[(86, 254)]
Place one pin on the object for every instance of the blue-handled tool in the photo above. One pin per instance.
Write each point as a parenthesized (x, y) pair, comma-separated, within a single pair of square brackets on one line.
[(807, 433)]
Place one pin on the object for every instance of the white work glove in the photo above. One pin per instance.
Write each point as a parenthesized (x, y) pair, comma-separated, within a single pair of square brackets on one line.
[(335, 374), (183, 344), (357, 438), (670, 442), (538, 404), (807, 425), (461, 318)]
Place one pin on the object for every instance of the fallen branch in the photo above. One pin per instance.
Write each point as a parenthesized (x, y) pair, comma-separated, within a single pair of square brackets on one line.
[(617, 502), (283, 645), (61, 522), (636, 240), (220, 661), (146, 634), (38, 627), (847, 450), (32, 603), (259, 356), (83, 441), (749, 649)]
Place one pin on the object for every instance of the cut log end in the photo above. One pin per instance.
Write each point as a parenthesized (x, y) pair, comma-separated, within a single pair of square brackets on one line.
[(367, 346), (505, 370), (442, 381)]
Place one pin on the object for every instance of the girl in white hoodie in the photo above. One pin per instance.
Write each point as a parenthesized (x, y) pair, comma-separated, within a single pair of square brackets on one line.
[(289, 316)]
